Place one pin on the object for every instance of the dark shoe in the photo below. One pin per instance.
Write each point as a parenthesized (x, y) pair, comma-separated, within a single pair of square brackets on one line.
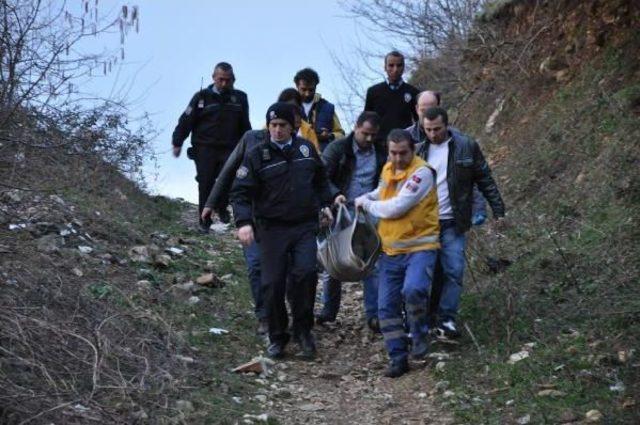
[(447, 329), (275, 350), (397, 368), (321, 319), (420, 349), (204, 228), (307, 345), (374, 325)]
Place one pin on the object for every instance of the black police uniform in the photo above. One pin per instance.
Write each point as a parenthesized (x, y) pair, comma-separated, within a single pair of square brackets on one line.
[(396, 106), (216, 122), (280, 191)]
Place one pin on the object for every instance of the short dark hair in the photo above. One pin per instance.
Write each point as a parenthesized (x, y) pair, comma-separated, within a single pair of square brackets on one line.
[(398, 135), (308, 75), (368, 116), (289, 94), (435, 112), (395, 54), (226, 67)]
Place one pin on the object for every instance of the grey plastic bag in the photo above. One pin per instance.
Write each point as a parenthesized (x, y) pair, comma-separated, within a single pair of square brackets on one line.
[(351, 248)]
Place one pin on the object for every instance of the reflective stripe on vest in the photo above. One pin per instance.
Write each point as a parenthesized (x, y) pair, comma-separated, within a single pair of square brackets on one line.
[(414, 242)]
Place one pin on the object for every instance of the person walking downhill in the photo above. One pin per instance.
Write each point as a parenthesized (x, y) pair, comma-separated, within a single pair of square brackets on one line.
[(277, 195), (318, 112), (394, 99), (460, 165), (216, 117), (407, 204), (353, 167)]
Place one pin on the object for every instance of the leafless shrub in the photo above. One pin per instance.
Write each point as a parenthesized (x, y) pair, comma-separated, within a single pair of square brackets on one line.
[(45, 59)]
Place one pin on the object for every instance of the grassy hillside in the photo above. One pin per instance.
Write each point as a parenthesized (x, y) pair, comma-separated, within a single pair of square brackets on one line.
[(562, 82), (101, 318)]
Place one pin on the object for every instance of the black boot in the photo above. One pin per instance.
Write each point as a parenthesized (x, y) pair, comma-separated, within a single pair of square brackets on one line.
[(275, 350), (307, 345), (374, 325), (420, 348), (397, 368)]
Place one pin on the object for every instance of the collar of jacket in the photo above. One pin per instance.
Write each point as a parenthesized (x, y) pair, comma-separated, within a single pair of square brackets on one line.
[(394, 86), (425, 145), (317, 98), (267, 141)]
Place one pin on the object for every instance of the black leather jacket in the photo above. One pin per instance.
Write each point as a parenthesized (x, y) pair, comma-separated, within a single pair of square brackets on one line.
[(466, 166), (339, 161)]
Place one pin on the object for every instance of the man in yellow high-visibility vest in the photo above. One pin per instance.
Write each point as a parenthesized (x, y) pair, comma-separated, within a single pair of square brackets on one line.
[(406, 202)]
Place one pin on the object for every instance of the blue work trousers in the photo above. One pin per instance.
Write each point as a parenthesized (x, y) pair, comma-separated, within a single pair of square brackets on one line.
[(404, 278)]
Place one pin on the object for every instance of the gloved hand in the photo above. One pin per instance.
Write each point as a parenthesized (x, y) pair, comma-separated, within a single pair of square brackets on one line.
[(478, 219)]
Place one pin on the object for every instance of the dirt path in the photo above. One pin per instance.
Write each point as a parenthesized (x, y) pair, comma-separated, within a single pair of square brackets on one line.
[(345, 383)]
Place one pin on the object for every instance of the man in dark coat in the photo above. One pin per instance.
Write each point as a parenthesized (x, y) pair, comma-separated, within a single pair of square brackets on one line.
[(216, 117)]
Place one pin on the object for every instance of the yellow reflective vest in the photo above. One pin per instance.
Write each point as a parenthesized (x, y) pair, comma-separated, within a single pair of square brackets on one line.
[(418, 229)]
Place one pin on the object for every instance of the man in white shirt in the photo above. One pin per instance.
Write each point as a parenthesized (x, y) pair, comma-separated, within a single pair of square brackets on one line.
[(459, 165)]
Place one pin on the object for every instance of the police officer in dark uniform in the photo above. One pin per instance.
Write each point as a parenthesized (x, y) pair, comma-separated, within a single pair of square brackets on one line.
[(279, 192), (216, 117)]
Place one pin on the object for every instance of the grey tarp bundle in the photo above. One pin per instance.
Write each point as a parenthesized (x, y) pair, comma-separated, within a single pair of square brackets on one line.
[(350, 250)]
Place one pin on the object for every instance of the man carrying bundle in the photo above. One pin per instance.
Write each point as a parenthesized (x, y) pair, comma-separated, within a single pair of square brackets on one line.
[(407, 204)]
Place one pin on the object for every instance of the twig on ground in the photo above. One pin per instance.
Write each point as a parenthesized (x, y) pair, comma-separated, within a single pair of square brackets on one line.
[(473, 338)]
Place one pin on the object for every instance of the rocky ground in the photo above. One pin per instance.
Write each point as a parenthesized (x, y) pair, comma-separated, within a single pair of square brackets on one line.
[(345, 383)]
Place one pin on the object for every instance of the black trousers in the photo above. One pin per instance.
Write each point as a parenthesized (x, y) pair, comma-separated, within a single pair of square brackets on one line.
[(209, 162), (288, 251)]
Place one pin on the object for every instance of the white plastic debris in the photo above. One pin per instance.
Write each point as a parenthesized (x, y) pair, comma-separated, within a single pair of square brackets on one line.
[(516, 357), (17, 226), (262, 418), (618, 387), (174, 251), (218, 331), (85, 249)]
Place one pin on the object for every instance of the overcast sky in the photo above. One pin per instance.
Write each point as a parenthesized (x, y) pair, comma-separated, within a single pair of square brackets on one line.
[(266, 42)]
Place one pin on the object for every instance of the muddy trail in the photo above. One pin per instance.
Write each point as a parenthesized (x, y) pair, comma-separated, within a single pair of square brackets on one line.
[(345, 383)]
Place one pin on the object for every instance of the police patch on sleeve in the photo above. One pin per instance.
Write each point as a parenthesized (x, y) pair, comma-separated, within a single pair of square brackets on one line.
[(242, 172), (188, 110), (407, 97), (304, 150)]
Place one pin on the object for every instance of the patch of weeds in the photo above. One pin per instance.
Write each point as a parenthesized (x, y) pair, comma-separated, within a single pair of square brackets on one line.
[(100, 290)]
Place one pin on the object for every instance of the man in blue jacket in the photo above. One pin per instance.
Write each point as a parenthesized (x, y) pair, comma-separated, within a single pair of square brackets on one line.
[(318, 112)]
